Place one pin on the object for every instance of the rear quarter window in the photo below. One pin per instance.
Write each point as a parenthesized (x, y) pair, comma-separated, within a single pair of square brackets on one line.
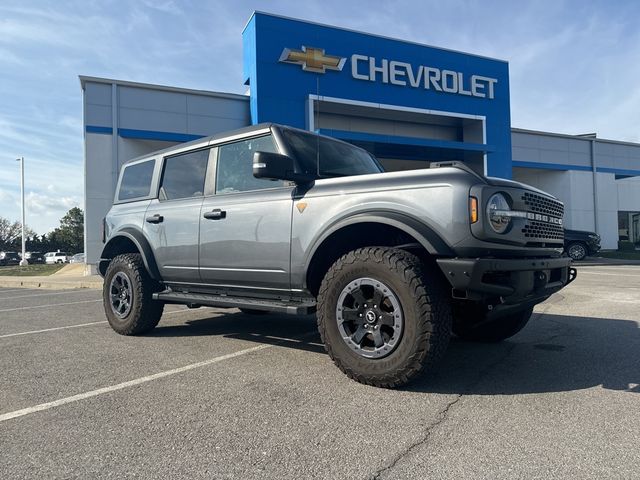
[(136, 180)]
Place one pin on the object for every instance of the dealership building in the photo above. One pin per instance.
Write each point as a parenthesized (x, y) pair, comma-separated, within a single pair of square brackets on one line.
[(409, 104)]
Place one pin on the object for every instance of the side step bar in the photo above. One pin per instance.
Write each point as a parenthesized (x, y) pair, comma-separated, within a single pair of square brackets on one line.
[(223, 301)]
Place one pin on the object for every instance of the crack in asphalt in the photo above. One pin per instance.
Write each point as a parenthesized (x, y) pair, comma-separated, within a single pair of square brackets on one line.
[(442, 416), (444, 413)]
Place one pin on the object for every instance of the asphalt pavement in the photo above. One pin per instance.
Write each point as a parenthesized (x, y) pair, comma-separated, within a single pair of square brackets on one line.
[(221, 394)]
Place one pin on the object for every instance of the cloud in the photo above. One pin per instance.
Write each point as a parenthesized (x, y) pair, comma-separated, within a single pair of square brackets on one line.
[(7, 199), (40, 203)]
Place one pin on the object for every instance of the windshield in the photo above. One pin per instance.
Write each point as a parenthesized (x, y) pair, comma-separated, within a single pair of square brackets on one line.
[(336, 159)]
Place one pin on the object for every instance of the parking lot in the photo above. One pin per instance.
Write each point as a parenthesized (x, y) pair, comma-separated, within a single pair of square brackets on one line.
[(220, 394)]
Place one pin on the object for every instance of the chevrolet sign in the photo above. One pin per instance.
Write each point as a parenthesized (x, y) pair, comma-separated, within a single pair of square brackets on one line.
[(394, 72), (312, 59), (421, 76)]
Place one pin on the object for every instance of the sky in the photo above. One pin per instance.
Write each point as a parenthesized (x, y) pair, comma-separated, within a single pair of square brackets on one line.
[(574, 67)]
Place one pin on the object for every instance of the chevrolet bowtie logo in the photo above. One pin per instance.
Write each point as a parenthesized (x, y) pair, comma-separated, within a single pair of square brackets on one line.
[(312, 59)]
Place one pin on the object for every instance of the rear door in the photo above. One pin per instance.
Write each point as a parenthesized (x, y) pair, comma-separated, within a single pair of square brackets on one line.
[(245, 228), (172, 220)]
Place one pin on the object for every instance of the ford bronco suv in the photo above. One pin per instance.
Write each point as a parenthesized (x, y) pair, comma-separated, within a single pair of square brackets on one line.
[(274, 219)]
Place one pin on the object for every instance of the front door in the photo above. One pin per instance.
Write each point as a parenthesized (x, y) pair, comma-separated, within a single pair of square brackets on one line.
[(172, 221), (245, 228)]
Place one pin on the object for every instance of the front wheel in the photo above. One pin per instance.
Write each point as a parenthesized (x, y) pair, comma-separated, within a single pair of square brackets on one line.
[(126, 295), (382, 317), (468, 324), (577, 251)]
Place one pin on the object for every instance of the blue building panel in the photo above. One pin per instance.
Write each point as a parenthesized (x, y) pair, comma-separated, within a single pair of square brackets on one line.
[(286, 61)]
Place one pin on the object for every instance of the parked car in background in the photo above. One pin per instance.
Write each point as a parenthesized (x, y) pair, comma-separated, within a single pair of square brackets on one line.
[(9, 258), (579, 244), (77, 258), (56, 257), (34, 257)]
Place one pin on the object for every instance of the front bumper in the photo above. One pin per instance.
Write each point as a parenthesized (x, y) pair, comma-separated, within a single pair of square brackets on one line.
[(507, 281), (593, 246)]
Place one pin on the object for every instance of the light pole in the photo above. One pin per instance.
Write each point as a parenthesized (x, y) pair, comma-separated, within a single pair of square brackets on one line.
[(23, 261)]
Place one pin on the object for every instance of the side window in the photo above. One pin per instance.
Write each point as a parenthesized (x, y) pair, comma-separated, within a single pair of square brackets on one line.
[(136, 180), (184, 175), (235, 166)]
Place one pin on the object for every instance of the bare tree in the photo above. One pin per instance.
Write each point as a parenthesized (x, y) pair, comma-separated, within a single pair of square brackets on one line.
[(10, 234)]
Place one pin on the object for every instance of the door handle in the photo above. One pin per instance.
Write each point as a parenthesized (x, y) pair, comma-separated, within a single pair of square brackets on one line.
[(216, 214), (155, 218)]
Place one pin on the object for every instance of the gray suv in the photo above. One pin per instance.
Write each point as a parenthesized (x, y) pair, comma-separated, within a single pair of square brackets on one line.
[(274, 219)]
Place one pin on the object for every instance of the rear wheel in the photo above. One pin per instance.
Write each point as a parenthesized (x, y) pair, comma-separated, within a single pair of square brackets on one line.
[(382, 317), (126, 295), (468, 324), (577, 250)]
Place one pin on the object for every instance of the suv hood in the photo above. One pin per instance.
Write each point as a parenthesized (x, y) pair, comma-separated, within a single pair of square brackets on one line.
[(501, 182)]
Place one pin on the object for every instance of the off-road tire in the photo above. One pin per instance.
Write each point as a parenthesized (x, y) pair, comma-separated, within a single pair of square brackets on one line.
[(145, 312), (465, 319), (425, 306)]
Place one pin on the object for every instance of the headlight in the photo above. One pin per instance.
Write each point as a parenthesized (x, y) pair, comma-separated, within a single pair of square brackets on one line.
[(498, 213)]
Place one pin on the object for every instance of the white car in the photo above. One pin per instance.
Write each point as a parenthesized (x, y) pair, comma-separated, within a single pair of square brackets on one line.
[(56, 257)]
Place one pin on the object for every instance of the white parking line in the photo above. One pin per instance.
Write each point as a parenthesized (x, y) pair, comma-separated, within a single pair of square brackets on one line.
[(84, 290), (50, 329), (48, 306), (131, 383)]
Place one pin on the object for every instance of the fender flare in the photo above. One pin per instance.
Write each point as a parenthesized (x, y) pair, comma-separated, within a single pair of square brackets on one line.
[(418, 229), (141, 243)]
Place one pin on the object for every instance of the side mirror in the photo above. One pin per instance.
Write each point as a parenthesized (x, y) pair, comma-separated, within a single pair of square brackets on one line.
[(274, 166)]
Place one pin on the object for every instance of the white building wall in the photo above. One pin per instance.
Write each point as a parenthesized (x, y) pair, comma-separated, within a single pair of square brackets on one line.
[(98, 187), (629, 194), (607, 210), (580, 214)]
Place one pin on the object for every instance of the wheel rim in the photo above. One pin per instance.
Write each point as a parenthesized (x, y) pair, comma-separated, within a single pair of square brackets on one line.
[(577, 252), (370, 319), (120, 294)]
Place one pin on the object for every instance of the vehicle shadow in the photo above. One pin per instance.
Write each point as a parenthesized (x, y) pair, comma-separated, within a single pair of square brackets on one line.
[(554, 353), (284, 330)]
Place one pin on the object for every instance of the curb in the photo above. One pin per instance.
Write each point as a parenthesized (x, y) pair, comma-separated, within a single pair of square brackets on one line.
[(54, 284)]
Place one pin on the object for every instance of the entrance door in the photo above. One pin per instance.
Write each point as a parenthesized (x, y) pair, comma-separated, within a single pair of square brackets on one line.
[(245, 228)]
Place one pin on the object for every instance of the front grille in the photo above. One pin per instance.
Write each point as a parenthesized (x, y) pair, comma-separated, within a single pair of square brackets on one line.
[(544, 205), (540, 228), (547, 231)]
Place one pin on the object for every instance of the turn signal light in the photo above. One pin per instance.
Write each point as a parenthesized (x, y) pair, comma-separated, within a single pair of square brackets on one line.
[(473, 209)]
